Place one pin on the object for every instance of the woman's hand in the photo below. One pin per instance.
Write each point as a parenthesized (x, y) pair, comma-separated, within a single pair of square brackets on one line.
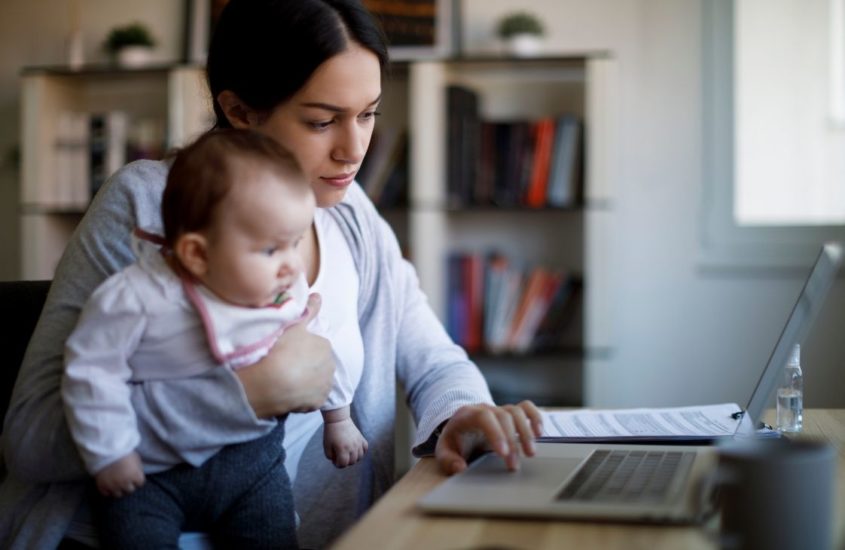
[(503, 430), (296, 376)]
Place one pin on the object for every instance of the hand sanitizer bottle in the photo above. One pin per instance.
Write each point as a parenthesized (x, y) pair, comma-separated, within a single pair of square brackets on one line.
[(790, 413)]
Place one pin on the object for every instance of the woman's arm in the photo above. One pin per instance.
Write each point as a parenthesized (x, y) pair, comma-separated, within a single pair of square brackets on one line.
[(446, 390)]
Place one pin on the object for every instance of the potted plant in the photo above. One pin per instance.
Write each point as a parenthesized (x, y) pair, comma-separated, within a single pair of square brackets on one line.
[(522, 33), (130, 45)]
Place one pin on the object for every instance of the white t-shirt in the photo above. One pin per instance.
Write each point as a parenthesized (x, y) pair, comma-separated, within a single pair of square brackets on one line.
[(338, 283)]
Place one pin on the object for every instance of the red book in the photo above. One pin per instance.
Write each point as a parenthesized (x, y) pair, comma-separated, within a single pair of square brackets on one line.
[(535, 289), (535, 312), (544, 131), (474, 285)]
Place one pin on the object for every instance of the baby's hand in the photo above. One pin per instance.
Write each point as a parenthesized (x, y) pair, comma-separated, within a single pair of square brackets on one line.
[(343, 443), (122, 477)]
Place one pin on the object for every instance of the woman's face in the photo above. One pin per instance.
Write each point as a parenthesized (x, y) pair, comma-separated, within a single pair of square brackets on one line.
[(327, 125)]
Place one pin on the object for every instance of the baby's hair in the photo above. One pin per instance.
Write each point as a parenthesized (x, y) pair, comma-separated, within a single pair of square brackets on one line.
[(203, 173)]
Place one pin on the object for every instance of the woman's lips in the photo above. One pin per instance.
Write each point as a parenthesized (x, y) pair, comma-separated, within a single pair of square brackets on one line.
[(339, 181)]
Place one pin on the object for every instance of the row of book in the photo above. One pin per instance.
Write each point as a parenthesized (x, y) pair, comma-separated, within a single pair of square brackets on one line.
[(514, 163), (384, 172), (90, 147), (498, 307)]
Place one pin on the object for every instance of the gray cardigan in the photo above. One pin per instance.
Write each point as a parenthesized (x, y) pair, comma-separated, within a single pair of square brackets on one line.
[(44, 480)]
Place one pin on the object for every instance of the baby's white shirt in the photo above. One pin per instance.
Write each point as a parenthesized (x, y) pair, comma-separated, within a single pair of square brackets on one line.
[(240, 336)]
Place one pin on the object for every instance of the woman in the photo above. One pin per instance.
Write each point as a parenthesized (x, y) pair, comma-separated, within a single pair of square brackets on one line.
[(308, 74)]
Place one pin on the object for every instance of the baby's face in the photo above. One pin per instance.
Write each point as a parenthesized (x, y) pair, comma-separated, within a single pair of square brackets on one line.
[(252, 252)]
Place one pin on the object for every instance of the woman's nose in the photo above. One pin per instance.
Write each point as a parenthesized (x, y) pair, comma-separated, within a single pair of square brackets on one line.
[(351, 144)]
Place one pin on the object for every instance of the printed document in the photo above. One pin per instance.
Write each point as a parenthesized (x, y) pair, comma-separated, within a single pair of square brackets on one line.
[(685, 423)]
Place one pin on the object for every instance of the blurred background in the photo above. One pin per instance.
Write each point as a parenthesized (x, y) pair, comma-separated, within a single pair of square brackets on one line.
[(712, 170)]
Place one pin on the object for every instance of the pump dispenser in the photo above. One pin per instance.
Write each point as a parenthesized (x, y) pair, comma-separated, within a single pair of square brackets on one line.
[(790, 407)]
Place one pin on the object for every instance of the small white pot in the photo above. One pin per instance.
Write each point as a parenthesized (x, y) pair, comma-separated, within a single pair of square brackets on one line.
[(134, 56), (524, 45)]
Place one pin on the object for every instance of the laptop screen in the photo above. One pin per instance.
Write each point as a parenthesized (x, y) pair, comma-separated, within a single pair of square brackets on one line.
[(798, 325)]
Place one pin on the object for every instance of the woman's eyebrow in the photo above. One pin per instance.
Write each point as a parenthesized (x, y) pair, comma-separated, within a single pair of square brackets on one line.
[(335, 108)]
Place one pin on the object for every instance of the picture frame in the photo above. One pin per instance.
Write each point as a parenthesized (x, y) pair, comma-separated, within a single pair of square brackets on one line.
[(418, 29), (415, 29)]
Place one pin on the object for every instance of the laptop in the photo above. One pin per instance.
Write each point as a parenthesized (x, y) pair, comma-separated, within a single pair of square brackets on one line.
[(623, 482)]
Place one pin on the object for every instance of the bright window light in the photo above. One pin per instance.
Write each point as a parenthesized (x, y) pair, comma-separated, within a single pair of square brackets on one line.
[(789, 107)]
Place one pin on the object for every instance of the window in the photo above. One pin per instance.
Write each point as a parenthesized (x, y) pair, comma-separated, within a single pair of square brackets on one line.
[(774, 97)]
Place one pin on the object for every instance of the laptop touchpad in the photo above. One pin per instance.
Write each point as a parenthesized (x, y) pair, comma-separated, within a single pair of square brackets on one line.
[(547, 473)]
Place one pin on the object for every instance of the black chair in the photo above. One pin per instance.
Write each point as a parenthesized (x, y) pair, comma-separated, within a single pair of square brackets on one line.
[(21, 303)]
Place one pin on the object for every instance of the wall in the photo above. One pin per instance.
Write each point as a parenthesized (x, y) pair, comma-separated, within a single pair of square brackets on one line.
[(684, 334), (35, 33)]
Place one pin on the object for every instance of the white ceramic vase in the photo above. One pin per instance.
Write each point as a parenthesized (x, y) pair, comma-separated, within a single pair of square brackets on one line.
[(524, 45), (132, 57), (75, 50)]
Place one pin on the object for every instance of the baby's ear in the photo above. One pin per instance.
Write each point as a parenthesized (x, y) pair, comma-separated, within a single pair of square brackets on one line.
[(190, 250)]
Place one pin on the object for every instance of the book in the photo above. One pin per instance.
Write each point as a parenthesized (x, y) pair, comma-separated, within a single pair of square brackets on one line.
[(58, 192), (495, 272), (395, 192), (520, 159), (549, 334), (536, 308), (503, 187), (511, 146), (69, 188), (535, 194), (108, 137), (456, 299), (463, 144), (534, 301), (473, 280), (564, 174), (511, 291), (385, 153), (484, 191)]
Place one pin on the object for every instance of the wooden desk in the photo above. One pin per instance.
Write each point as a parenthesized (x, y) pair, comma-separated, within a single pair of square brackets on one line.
[(395, 523)]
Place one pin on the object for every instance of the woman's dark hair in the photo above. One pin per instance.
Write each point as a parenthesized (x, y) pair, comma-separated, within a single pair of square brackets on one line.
[(204, 172), (266, 50)]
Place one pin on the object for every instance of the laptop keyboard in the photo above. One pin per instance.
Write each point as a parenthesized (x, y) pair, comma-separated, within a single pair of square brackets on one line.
[(623, 476)]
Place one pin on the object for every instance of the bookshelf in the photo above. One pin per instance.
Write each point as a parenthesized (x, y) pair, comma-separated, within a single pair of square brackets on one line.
[(390, 194), (570, 238), (159, 107)]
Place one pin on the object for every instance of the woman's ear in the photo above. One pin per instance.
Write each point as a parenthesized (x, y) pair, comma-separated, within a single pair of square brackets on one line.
[(240, 114), (190, 250)]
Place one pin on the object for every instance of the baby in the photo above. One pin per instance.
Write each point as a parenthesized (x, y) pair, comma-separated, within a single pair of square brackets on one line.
[(215, 292)]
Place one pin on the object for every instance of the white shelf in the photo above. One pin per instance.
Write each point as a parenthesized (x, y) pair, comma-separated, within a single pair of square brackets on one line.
[(572, 239), (173, 97)]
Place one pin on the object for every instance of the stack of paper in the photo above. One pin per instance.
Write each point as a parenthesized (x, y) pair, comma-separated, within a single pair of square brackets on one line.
[(703, 423)]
